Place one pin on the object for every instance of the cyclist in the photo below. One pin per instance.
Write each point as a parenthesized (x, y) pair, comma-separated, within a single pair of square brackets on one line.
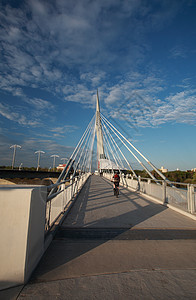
[(116, 180)]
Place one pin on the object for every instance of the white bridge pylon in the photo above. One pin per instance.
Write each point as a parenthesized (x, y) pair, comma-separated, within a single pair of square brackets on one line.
[(110, 156), (106, 134)]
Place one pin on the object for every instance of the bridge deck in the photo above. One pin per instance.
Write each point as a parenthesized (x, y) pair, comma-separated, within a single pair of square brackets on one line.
[(98, 208), (118, 248)]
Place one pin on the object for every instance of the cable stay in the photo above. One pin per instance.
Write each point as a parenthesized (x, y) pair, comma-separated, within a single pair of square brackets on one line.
[(124, 141), (112, 152), (115, 130), (110, 155), (114, 145), (79, 153), (114, 142)]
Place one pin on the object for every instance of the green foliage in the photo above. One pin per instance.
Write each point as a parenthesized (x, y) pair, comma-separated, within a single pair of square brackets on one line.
[(180, 176), (29, 169), (5, 167), (142, 173), (175, 176)]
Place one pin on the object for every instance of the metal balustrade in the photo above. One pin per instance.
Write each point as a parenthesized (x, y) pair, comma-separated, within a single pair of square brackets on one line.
[(179, 195), (58, 201)]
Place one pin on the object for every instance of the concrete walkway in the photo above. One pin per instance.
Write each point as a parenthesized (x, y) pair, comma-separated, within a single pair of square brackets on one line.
[(117, 248)]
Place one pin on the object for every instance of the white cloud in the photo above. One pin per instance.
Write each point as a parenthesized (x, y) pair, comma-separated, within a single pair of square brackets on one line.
[(135, 102), (64, 129), (40, 39), (177, 108), (115, 95), (8, 113), (5, 112), (80, 93), (178, 52), (40, 104), (69, 48), (95, 78)]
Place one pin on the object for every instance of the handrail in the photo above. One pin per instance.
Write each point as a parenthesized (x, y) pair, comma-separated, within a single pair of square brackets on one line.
[(49, 187), (160, 180), (52, 186), (53, 212), (181, 194), (50, 197)]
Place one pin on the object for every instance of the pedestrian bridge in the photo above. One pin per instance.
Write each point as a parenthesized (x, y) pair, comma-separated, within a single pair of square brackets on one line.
[(111, 248), (75, 240)]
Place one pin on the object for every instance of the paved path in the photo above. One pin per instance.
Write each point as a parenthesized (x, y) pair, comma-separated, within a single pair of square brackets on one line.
[(118, 248)]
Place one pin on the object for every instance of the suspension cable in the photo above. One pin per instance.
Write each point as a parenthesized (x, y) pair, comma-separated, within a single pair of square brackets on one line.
[(92, 144), (111, 150), (81, 139), (131, 152), (86, 136), (109, 139), (107, 153), (137, 150), (129, 165), (87, 145), (114, 144)]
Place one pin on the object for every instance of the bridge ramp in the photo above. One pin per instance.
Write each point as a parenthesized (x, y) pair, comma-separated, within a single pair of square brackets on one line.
[(118, 248), (98, 208)]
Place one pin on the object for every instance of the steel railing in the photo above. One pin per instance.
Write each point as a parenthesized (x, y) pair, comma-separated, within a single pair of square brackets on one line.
[(180, 195), (59, 200)]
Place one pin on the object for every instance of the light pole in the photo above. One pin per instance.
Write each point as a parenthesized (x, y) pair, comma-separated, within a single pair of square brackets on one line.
[(14, 153), (54, 156), (64, 159), (39, 155)]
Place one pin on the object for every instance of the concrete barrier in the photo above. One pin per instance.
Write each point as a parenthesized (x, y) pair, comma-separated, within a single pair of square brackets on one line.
[(22, 215)]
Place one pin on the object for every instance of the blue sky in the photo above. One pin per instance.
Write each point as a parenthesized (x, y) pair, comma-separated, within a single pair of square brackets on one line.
[(140, 54)]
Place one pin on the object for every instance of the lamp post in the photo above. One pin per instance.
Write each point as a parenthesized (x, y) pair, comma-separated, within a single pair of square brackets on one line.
[(14, 153), (54, 157), (38, 160)]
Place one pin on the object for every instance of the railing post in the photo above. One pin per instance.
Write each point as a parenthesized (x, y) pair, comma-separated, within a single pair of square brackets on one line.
[(71, 182), (190, 198), (63, 203), (122, 179), (139, 183), (164, 185), (125, 179)]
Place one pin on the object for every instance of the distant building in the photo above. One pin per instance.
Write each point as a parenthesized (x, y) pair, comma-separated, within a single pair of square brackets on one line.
[(194, 169), (163, 170), (61, 167)]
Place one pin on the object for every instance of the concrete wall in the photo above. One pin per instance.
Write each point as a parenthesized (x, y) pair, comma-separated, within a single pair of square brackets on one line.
[(22, 215)]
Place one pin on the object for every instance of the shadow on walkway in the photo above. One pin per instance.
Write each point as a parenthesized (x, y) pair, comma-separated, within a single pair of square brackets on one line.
[(98, 217)]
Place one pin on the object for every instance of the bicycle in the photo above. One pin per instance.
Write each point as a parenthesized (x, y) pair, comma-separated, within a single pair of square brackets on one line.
[(116, 190)]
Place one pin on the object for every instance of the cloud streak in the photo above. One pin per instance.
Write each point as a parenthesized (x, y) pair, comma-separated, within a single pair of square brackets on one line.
[(54, 54), (41, 38), (135, 101), (8, 113)]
